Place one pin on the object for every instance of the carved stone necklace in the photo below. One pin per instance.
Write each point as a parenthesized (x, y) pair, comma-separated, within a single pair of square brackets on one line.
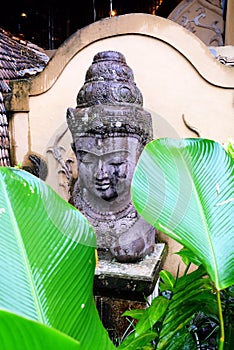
[(108, 225)]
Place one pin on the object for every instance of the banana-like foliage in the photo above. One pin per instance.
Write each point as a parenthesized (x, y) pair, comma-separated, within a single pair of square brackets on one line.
[(185, 188), (182, 187), (47, 262)]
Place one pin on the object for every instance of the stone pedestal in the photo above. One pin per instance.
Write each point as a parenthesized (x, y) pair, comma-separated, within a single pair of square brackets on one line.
[(124, 286)]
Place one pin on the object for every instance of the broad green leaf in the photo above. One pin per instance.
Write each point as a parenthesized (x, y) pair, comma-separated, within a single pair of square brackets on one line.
[(153, 313), (19, 333), (47, 259), (185, 188)]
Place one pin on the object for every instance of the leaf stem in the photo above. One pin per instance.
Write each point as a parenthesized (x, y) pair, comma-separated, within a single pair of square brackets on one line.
[(222, 335)]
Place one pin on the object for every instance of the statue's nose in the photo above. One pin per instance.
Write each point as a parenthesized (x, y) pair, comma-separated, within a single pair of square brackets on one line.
[(101, 170)]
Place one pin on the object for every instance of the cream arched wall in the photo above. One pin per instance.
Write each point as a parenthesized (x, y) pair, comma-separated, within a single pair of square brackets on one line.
[(174, 70)]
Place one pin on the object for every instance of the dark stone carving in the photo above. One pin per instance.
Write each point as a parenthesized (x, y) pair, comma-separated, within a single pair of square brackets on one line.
[(109, 129), (35, 165), (109, 81)]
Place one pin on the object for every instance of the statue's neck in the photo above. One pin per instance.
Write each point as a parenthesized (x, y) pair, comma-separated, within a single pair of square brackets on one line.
[(103, 210)]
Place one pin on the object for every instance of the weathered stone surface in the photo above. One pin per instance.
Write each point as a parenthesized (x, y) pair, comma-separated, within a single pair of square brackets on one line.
[(203, 18), (131, 281), (110, 129), (120, 287)]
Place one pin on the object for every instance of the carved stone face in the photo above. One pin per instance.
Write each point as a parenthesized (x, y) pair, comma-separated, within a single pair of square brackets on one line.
[(105, 168)]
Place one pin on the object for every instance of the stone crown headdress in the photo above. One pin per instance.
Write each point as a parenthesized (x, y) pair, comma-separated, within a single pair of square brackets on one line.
[(109, 103)]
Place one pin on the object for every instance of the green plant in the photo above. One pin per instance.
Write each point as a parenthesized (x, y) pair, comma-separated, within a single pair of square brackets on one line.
[(185, 189), (229, 147), (169, 315), (47, 262), (47, 254)]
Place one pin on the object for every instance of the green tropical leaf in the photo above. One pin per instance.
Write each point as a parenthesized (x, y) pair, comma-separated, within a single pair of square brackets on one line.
[(190, 294), (19, 333), (183, 290), (136, 313), (176, 321), (186, 281), (188, 257), (185, 189), (179, 309), (168, 281), (47, 259), (153, 313), (182, 340), (140, 342), (201, 295)]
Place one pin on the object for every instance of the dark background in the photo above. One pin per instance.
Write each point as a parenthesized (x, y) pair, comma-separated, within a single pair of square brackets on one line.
[(49, 22)]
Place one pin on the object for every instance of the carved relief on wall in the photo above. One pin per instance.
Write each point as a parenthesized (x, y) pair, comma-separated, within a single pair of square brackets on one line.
[(62, 164), (227, 61), (201, 17)]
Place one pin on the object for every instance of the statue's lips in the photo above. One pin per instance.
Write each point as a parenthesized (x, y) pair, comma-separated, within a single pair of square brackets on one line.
[(102, 186)]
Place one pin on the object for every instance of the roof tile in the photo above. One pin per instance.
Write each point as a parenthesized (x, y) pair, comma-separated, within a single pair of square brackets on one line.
[(18, 59)]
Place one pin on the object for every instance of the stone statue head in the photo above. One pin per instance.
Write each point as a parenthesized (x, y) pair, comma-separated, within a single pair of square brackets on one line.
[(110, 129)]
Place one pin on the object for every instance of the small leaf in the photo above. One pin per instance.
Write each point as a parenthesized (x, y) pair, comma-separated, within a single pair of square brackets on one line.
[(137, 342), (188, 257), (136, 314), (152, 314), (167, 280)]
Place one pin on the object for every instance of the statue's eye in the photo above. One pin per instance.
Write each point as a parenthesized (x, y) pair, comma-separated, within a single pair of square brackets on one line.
[(84, 157), (85, 161), (117, 163)]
